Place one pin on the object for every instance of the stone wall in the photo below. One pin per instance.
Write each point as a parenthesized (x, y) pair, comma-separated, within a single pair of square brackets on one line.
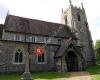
[(7, 50), (81, 30)]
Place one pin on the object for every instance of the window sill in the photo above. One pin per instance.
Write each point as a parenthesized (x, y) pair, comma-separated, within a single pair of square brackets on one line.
[(18, 63), (41, 62)]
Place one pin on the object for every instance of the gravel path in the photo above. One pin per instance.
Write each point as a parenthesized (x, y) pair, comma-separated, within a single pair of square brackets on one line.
[(79, 76)]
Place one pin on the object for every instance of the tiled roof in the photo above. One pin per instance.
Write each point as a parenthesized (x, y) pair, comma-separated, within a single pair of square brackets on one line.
[(37, 27)]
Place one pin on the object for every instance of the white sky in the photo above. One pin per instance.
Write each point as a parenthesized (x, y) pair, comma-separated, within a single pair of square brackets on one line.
[(50, 10)]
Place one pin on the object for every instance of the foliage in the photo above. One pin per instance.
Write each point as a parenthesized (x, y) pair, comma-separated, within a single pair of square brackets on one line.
[(97, 45), (97, 49), (94, 71)]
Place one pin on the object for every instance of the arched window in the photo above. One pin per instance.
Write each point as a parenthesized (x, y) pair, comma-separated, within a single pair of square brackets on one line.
[(66, 20), (18, 56), (79, 17)]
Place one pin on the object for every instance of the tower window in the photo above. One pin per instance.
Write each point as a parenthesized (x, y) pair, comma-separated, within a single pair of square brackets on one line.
[(79, 18), (18, 58), (65, 20)]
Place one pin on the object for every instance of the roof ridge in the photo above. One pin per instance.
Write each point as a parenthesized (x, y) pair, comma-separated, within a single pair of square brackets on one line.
[(35, 19)]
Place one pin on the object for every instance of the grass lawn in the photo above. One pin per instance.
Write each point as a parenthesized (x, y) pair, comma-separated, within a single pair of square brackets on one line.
[(95, 72), (36, 76)]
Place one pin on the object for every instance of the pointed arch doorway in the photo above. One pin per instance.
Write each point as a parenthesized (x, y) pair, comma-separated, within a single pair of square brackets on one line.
[(71, 61)]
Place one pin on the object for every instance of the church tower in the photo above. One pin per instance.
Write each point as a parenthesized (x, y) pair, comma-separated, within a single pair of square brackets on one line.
[(75, 18)]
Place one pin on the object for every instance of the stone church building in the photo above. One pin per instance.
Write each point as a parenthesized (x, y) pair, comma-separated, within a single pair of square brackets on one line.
[(51, 46)]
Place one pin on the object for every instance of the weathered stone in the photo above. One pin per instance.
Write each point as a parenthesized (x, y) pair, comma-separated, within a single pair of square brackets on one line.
[(25, 35)]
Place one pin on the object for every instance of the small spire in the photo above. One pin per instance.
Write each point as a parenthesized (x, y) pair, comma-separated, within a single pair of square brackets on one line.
[(62, 10), (8, 12), (82, 5), (70, 2)]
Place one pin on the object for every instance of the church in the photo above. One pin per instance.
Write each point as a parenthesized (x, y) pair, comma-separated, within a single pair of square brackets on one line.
[(65, 46)]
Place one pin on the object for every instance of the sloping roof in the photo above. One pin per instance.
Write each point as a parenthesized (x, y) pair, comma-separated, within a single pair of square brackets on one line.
[(64, 47), (37, 27)]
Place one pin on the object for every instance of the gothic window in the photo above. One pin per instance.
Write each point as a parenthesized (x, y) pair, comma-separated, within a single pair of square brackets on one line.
[(79, 17), (18, 56)]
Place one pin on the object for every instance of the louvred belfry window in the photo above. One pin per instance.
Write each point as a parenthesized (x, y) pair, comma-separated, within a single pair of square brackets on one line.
[(79, 17)]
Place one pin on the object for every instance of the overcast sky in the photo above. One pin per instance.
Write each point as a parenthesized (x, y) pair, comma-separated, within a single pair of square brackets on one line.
[(50, 10)]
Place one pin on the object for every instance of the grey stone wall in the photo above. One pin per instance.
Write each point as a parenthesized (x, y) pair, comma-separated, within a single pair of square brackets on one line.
[(49, 64), (81, 30), (7, 50)]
